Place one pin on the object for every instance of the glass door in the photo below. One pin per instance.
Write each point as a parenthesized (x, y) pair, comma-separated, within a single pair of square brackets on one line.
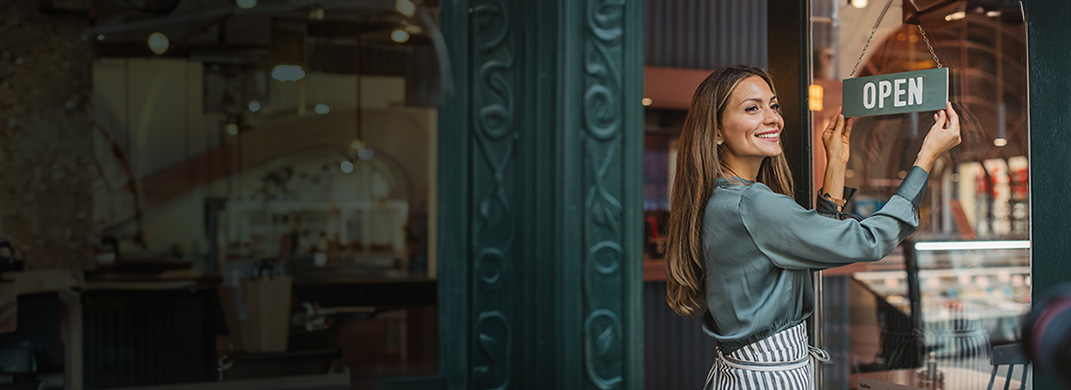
[(937, 311)]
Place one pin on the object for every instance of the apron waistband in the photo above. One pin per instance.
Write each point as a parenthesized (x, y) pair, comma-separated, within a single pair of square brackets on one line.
[(764, 367), (815, 353)]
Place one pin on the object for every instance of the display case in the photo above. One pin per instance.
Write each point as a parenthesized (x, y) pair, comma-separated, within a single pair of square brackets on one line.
[(968, 300)]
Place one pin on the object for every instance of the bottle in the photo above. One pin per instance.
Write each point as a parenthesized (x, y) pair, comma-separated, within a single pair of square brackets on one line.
[(931, 366)]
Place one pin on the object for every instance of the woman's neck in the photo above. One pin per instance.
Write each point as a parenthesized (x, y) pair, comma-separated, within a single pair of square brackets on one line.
[(747, 170)]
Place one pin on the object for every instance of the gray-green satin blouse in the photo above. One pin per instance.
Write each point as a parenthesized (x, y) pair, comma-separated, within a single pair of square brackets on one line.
[(761, 246)]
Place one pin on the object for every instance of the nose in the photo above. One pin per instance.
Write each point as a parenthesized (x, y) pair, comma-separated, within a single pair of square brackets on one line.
[(773, 117)]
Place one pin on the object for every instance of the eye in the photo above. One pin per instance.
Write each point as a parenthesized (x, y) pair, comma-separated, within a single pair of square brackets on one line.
[(775, 106), (751, 108)]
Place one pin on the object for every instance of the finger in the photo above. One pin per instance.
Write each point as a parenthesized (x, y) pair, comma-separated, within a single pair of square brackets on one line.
[(953, 116), (832, 121), (840, 120), (838, 125), (848, 128)]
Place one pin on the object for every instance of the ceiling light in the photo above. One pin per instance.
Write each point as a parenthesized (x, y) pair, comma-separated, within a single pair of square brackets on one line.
[(316, 13), (859, 3), (646, 101), (366, 153), (287, 73), (405, 7), (955, 16), (399, 36), (1000, 142), (158, 42)]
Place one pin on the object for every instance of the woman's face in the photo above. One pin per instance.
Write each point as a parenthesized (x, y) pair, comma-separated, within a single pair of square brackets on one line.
[(750, 123)]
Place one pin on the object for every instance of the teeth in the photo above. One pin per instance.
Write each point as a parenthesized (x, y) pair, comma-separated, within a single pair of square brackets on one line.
[(770, 135)]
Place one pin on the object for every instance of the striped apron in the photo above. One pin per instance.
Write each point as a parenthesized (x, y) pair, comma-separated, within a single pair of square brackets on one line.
[(781, 361)]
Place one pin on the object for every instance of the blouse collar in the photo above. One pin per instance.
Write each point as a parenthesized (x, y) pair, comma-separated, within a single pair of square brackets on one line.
[(736, 180)]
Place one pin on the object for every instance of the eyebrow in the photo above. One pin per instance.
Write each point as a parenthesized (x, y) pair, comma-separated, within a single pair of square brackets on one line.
[(757, 100)]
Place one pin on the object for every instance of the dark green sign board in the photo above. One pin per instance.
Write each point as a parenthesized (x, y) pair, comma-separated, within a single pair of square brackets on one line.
[(896, 93)]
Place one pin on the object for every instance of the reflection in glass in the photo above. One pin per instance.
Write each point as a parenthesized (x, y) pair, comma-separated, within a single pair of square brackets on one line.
[(961, 284)]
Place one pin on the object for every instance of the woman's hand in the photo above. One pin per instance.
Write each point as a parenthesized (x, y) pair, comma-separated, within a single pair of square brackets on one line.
[(836, 138), (943, 135)]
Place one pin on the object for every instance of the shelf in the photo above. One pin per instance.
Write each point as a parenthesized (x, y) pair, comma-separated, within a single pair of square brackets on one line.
[(878, 275)]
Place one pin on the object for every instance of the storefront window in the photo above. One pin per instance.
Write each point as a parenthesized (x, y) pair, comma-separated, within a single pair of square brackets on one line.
[(276, 145), (950, 300)]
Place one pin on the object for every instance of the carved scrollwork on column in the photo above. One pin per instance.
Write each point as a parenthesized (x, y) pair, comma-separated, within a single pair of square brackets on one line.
[(493, 138), (603, 113)]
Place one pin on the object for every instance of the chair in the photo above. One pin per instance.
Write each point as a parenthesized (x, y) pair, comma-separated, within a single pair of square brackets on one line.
[(1010, 355)]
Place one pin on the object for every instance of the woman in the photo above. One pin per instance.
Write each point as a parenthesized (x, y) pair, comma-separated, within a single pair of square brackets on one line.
[(741, 249)]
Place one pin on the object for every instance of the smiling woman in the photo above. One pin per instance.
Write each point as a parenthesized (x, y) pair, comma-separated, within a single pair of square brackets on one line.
[(740, 249)]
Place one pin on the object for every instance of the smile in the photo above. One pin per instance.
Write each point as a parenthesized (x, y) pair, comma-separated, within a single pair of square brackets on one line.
[(771, 136)]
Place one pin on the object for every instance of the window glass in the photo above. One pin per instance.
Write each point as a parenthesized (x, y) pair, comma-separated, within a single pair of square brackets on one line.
[(295, 142), (952, 297)]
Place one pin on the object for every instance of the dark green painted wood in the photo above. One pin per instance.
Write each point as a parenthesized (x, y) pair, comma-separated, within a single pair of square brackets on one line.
[(454, 211), (789, 53), (415, 383), (610, 142), (540, 162), (543, 358), (454, 201), (569, 199), (1049, 42), (632, 294), (496, 198)]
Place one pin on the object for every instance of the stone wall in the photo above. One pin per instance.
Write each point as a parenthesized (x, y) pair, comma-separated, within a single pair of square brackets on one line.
[(46, 154)]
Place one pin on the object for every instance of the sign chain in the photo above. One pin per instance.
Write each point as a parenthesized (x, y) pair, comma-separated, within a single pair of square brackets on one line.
[(924, 37), (872, 31)]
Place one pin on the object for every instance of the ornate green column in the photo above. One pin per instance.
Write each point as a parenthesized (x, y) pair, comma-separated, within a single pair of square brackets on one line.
[(540, 177), (1049, 43)]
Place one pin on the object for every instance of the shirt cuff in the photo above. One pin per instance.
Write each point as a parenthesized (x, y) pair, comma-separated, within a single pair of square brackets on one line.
[(914, 186), (826, 206)]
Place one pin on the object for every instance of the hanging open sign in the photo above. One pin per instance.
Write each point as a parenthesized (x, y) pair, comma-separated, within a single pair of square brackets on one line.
[(897, 93)]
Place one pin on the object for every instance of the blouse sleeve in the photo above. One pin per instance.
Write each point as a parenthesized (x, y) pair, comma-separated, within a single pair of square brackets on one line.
[(793, 237), (829, 209)]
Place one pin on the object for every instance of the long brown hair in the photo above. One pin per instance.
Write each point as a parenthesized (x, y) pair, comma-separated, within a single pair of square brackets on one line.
[(699, 164)]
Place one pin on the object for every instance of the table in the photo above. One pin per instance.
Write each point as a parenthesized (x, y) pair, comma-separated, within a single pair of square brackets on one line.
[(956, 378)]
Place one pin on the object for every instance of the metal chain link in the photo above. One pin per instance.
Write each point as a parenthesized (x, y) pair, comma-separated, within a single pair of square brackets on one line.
[(872, 31), (924, 37)]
